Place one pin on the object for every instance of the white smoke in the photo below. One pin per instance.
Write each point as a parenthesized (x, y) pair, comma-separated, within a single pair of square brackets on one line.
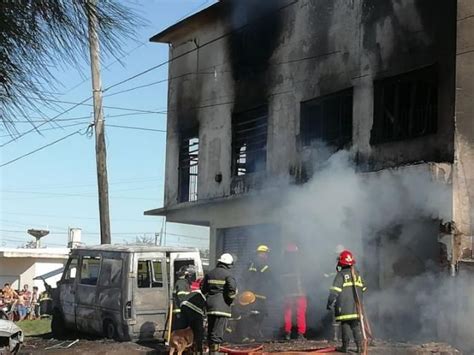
[(390, 220)]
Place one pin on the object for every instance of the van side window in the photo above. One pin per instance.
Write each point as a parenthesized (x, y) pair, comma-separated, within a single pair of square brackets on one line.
[(70, 274), (111, 272), (149, 274), (157, 274), (90, 270)]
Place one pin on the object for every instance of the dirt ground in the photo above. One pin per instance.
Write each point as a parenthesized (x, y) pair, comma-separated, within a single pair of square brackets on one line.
[(43, 345)]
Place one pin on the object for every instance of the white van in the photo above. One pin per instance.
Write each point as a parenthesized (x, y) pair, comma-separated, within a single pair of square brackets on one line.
[(119, 291)]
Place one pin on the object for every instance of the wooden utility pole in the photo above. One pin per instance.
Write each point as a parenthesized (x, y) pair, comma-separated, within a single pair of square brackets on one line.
[(100, 149)]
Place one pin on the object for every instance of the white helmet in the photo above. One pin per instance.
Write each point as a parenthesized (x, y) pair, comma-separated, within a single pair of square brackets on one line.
[(226, 258)]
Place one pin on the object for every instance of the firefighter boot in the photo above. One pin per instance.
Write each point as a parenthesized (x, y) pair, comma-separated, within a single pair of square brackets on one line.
[(214, 349)]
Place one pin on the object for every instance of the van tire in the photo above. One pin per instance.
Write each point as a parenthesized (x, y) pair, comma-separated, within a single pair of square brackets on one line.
[(58, 326), (110, 330)]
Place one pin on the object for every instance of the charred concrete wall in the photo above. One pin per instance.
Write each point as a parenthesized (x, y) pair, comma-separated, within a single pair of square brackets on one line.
[(464, 142), (281, 53)]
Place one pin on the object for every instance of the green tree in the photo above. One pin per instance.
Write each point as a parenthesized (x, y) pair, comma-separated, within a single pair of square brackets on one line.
[(39, 35)]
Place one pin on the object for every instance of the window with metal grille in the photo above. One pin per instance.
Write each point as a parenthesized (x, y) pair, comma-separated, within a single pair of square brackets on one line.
[(188, 166), (327, 119), (249, 141), (405, 106)]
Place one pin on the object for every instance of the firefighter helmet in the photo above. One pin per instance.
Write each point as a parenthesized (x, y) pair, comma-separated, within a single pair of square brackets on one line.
[(246, 298), (346, 258), (226, 258), (262, 248), (291, 248)]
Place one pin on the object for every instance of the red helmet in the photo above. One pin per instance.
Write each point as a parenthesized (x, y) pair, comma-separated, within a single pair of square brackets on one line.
[(346, 258)]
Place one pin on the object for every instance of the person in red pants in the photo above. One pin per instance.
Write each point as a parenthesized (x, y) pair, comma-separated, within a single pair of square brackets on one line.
[(294, 294)]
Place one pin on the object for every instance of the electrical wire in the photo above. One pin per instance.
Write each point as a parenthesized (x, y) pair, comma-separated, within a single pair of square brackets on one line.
[(136, 128), (40, 148)]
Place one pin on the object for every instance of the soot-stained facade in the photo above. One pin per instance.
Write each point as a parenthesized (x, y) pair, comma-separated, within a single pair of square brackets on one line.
[(261, 83)]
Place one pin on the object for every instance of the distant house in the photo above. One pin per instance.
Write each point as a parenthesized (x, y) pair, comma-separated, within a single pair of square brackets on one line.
[(21, 266)]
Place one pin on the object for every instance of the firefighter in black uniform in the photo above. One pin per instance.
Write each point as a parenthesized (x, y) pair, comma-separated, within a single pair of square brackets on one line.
[(259, 281), (193, 310), (342, 299), (181, 290), (220, 289)]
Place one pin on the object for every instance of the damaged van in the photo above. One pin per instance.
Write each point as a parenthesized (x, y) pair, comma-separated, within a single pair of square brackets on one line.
[(119, 291)]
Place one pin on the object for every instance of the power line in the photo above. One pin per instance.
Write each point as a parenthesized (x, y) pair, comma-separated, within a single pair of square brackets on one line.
[(40, 148), (108, 107), (155, 67), (198, 47), (137, 128), (35, 128)]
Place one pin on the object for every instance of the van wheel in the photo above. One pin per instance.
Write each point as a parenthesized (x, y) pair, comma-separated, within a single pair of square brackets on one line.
[(110, 330), (58, 326)]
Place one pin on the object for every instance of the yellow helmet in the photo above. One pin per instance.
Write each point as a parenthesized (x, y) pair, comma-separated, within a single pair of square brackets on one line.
[(246, 298), (262, 248)]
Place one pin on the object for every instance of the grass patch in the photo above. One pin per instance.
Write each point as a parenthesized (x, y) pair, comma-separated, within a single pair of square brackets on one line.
[(35, 327)]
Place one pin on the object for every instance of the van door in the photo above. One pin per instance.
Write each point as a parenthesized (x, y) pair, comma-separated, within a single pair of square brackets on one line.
[(67, 292), (88, 318), (150, 295), (180, 259)]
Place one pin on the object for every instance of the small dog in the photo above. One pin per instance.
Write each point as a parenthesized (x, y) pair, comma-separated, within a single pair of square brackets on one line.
[(181, 339)]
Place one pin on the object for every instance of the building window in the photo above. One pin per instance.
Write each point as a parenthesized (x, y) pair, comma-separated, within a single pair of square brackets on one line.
[(249, 141), (188, 165), (150, 274), (405, 106), (327, 119)]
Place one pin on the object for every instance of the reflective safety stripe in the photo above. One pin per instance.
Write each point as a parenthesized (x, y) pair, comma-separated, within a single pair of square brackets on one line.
[(193, 307), (260, 297), (350, 284), (218, 313), (347, 317), (364, 289), (252, 268), (232, 296), (216, 282), (337, 289), (177, 310), (264, 268), (182, 293)]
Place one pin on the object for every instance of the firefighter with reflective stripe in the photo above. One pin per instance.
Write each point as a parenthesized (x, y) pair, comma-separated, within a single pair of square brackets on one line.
[(181, 290), (293, 292), (220, 289), (193, 310), (259, 281), (342, 299)]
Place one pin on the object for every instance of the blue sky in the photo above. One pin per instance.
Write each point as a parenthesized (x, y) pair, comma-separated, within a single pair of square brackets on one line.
[(56, 188)]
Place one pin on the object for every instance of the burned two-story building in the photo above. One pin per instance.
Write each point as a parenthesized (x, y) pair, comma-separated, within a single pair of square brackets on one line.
[(253, 85)]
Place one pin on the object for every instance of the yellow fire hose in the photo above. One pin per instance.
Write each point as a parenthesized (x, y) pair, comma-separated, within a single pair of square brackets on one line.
[(170, 322)]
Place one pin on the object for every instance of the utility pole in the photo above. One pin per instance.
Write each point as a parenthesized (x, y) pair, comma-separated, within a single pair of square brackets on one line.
[(100, 150)]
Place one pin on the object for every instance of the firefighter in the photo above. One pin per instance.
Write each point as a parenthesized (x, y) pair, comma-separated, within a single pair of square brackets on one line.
[(294, 293), (259, 281), (220, 289), (336, 326), (193, 310), (342, 300), (181, 290)]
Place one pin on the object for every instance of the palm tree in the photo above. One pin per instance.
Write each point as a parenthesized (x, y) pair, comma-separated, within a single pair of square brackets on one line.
[(38, 35)]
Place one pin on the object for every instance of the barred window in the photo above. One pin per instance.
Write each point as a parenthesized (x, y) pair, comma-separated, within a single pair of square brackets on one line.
[(405, 106)]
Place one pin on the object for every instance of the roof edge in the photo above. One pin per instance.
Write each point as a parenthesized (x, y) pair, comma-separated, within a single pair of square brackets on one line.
[(166, 36)]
